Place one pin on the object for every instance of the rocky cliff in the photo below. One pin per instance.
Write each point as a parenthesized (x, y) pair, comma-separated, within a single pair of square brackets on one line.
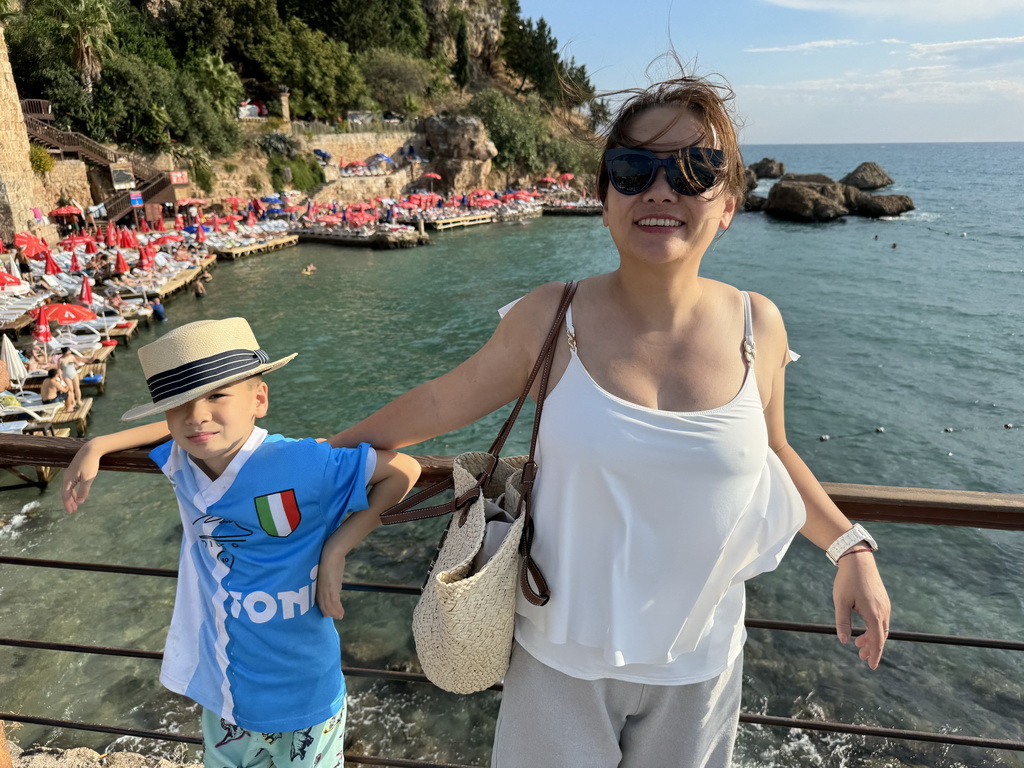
[(483, 25)]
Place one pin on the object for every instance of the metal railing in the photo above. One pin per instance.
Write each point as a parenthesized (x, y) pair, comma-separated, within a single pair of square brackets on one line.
[(870, 503)]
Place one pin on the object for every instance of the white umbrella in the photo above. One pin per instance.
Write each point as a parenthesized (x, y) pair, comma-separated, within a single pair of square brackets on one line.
[(15, 368)]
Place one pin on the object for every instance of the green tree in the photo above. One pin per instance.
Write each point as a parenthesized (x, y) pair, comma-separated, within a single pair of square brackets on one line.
[(365, 25), (220, 82), (461, 68), (86, 25), (395, 80), (516, 128)]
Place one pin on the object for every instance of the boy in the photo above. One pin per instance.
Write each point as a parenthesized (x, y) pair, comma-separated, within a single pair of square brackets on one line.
[(246, 640), (55, 390)]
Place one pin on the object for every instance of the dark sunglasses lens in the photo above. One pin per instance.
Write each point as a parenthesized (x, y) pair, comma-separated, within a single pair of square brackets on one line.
[(630, 174), (698, 172)]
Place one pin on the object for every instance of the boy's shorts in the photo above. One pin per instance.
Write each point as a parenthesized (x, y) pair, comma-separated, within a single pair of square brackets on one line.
[(226, 745)]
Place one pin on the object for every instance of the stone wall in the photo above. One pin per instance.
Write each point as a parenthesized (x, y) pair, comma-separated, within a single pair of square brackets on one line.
[(20, 188), (363, 146), (69, 180)]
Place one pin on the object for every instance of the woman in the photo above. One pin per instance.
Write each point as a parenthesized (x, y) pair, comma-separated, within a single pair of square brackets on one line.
[(666, 478), (69, 363)]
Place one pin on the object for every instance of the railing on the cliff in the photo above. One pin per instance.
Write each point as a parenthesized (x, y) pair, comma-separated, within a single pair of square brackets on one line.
[(921, 506), (37, 108), (374, 125), (151, 180)]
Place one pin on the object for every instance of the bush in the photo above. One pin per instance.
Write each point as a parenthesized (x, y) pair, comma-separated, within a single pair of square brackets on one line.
[(306, 172), (278, 144), (41, 160)]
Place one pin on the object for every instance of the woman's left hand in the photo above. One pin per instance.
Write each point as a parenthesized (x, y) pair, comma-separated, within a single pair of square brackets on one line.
[(858, 587)]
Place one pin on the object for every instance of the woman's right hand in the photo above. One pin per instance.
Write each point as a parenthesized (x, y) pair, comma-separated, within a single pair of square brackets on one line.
[(78, 477)]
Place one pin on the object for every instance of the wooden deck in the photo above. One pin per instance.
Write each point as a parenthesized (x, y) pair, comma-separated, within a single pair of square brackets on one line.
[(44, 474), (460, 221), (180, 281), (77, 417), (276, 244), (17, 324), (125, 334), (380, 241)]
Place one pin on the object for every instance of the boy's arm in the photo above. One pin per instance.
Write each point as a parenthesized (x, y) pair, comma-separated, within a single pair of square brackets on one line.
[(394, 475), (82, 470)]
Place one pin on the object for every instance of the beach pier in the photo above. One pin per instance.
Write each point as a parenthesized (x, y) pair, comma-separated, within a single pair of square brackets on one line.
[(379, 240), (266, 246)]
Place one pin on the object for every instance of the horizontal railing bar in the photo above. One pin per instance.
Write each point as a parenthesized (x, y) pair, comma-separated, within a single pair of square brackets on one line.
[(399, 589), (925, 506), (912, 637), (900, 734), (134, 570), (887, 733), (180, 738)]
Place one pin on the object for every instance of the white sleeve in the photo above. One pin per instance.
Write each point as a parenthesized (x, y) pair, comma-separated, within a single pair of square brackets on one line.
[(504, 310), (371, 464)]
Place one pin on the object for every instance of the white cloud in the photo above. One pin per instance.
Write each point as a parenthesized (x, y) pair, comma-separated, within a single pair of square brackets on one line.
[(952, 11), (803, 47), (988, 44)]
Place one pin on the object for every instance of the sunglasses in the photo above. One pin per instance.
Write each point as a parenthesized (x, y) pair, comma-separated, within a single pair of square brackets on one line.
[(691, 171)]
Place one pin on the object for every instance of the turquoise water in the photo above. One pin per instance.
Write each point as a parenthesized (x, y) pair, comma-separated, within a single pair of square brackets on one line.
[(916, 339)]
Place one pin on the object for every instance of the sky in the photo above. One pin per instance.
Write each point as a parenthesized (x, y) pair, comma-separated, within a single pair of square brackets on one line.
[(819, 71)]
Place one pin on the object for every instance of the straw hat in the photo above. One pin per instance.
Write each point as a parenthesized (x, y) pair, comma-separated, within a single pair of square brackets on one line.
[(198, 358)]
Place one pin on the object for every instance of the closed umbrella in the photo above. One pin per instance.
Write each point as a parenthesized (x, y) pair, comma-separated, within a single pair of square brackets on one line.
[(120, 265), (52, 268), (111, 235), (86, 293), (201, 234), (160, 226), (15, 368), (91, 248), (74, 266), (41, 333), (144, 225)]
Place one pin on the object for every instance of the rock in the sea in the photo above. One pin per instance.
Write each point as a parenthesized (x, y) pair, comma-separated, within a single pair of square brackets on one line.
[(767, 168), (875, 206), (751, 179), (867, 176), (808, 201), (810, 178), (754, 203)]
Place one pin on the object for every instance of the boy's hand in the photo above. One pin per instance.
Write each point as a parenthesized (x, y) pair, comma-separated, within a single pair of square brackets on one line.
[(329, 577), (78, 477)]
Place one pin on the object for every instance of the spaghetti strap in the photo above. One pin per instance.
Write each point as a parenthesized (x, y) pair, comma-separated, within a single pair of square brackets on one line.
[(749, 347), (570, 332)]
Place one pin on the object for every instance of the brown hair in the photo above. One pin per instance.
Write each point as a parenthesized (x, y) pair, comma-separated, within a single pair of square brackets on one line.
[(708, 101)]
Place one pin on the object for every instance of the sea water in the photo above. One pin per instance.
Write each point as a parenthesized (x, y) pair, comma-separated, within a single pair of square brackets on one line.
[(922, 340)]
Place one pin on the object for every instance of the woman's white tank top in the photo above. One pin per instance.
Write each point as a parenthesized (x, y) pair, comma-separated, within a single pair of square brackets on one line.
[(647, 524)]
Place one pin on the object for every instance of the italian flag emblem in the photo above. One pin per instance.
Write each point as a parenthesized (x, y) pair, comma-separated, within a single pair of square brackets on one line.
[(278, 513)]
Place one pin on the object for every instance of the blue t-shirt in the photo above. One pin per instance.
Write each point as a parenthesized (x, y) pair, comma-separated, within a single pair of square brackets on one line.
[(247, 639)]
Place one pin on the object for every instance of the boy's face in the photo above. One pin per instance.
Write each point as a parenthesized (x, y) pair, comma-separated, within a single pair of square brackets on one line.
[(213, 427)]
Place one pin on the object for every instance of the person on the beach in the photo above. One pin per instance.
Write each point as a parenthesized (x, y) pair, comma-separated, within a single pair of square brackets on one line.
[(198, 289), (665, 478), (55, 390), (69, 362), (247, 640)]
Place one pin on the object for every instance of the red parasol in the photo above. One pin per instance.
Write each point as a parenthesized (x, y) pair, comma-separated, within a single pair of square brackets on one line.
[(214, 222), (62, 314), (124, 238), (144, 225), (3, 248), (431, 175), (85, 295), (251, 220), (6, 280), (179, 222), (67, 210), (74, 266), (111, 235), (200, 234), (566, 176), (231, 223), (147, 257), (41, 333), (548, 180), (233, 202), (90, 247), (167, 239), (120, 265), (160, 226), (52, 268)]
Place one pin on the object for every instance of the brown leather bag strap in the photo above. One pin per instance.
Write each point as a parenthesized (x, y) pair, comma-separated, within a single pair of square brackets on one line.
[(403, 511)]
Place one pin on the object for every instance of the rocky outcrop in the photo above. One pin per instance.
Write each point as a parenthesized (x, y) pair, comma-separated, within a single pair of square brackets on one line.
[(483, 30), (751, 179), (754, 203), (462, 152), (808, 178), (767, 168), (793, 199), (867, 176)]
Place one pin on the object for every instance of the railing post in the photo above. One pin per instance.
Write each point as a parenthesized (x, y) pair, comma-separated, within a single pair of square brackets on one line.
[(5, 756)]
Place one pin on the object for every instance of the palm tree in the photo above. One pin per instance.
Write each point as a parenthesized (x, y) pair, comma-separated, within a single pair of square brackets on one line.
[(86, 24), (220, 81)]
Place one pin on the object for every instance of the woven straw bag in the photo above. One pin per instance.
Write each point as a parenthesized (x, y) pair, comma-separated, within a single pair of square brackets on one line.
[(464, 619)]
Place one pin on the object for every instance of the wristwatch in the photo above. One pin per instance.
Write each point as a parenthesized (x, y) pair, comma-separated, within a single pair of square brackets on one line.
[(855, 535)]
